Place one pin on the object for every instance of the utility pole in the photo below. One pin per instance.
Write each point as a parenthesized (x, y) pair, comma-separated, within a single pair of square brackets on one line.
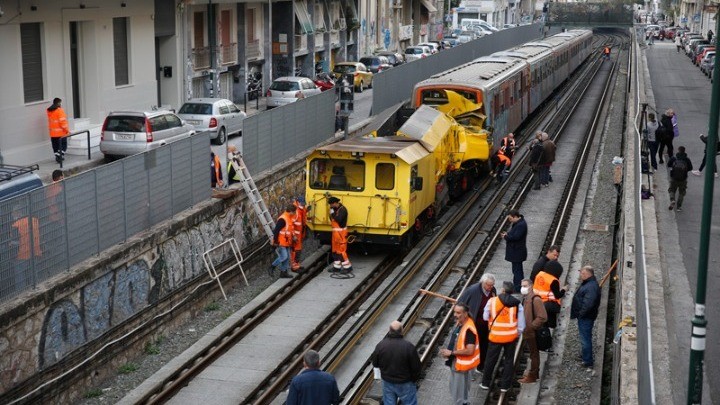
[(699, 323)]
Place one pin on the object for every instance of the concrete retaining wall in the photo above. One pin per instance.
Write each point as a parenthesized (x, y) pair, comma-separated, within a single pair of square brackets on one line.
[(107, 295)]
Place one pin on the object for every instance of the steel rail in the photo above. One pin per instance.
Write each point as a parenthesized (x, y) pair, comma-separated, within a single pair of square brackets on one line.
[(570, 192)]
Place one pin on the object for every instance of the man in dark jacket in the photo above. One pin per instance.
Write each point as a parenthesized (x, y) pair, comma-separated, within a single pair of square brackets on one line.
[(555, 269), (535, 318), (584, 308), (547, 159), (399, 365), (665, 134), (476, 297), (679, 166), (553, 253), (312, 386), (536, 152), (516, 248)]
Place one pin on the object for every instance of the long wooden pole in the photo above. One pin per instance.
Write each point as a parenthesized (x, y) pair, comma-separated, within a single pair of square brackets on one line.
[(605, 277), (434, 294)]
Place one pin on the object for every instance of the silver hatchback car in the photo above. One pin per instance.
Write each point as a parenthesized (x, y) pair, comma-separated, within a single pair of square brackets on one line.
[(286, 90), (219, 116), (126, 133)]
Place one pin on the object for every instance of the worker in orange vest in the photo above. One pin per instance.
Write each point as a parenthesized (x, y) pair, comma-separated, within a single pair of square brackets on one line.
[(216, 178), (462, 353), (547, 287), (502, 164), (58, 127), (506, 318), (507, 145), (338, 221), (283, 241), (27, 229), (299, 231), (606, 52)]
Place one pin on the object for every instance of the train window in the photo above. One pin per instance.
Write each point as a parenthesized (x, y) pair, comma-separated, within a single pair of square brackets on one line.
[(335, 174), (413, 176), (385, 176), (439, 97), (496, 104)]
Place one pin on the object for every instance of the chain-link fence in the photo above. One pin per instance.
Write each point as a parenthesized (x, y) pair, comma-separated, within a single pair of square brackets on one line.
[(53, 228)]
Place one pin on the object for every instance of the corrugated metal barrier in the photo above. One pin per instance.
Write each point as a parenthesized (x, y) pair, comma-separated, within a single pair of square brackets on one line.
[(51, 229), (395, 85)]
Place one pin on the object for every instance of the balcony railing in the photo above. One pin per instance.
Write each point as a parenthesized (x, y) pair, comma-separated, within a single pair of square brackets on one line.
[(301, 42), (228, 54), (201, 57), (252, 49)]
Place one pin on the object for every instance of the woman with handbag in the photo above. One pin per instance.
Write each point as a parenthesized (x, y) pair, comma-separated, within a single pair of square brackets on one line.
[(535, 318)]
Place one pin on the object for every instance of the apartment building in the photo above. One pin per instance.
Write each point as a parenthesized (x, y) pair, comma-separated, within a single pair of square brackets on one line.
[(108, 55)]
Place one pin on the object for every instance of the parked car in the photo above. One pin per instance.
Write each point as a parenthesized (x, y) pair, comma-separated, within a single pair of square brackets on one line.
[(692, 46), (450, 42), (416, 52), (362, 77), (219, 116), (467, 36), (434, 48), (480, 29), (394, 58), (707, 63), (17, 180), (376, 64), (653, 30), (289, 89), (700, 52), (126, 133)]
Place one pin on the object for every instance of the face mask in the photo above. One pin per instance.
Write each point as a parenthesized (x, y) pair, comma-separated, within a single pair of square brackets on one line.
[(524, 290)]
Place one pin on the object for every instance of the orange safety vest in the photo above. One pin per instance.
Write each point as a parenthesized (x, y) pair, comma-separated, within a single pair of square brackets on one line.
[(299, 221), (218, 173), (57, 123), (542, 287), (285, 237), (508, 143), (470, 361), (606, 51), (23, 230), (503, 324), (504, 160)]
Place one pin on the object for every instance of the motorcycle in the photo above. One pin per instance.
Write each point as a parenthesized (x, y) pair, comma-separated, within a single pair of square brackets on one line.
[(254, 85), (324, 81)]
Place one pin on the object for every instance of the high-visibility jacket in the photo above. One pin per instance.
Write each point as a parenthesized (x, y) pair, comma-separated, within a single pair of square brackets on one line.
[(541, 287), (285, 237), (23, 230), (57, 123), (217, 165), (606, 51), (503, 160), (503, 322), (470, 361), (299, 224), (235, 173)]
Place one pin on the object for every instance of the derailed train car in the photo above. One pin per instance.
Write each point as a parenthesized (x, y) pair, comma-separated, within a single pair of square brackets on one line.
[(393, 186)]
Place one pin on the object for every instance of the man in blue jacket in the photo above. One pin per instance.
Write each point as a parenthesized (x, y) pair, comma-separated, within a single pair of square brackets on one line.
[(584, 308), (516, 246), (312, 386)]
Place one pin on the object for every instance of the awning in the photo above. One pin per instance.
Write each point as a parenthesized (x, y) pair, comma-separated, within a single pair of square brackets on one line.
[(428, 5)]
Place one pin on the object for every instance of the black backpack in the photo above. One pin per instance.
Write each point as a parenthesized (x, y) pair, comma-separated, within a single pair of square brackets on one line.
[(679, 170)]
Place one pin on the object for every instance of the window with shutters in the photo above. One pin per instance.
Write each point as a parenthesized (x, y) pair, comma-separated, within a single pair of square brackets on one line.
[(120, 48), (31, 43), (250, 18), (198, 30)]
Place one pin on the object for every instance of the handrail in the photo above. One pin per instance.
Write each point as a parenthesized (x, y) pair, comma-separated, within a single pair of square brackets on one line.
[(78, 133)]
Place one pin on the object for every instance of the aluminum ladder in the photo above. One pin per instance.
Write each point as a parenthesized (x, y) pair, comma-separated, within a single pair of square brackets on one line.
[(266, 220)]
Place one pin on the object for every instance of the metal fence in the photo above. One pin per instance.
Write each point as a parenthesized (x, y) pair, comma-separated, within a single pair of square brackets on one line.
[(278, 134), (53, 228), (607, 14), (395, 85)]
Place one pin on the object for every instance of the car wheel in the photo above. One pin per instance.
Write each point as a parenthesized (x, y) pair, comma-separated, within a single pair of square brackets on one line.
[(110, 158), (361, 87), (221, 138)]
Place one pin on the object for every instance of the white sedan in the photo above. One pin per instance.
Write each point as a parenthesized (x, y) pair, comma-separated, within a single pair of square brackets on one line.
[(286, 90), (219, 116)]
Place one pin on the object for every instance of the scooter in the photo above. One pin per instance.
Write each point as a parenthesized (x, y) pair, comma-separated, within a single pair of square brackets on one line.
[(324, 81), (254, 85)]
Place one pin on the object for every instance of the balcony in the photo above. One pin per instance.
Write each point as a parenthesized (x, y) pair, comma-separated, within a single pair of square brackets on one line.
[(228, 54), (301, 42), (252, 49), (334, 39), (319, 40), (201, 57)]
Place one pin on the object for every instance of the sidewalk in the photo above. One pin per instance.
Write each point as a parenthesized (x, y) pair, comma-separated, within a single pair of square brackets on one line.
[(75, 164)]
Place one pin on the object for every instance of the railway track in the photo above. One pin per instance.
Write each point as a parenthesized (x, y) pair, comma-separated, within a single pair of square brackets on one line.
[(276, 381)]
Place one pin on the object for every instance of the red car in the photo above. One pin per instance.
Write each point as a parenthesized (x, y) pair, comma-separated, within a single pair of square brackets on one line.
[(701, 55)]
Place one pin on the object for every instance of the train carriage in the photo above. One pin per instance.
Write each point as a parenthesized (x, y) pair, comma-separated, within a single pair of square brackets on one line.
[(533, 55)]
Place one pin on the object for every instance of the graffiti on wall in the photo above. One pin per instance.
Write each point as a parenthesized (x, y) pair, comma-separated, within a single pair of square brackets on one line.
[(103, 303)]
